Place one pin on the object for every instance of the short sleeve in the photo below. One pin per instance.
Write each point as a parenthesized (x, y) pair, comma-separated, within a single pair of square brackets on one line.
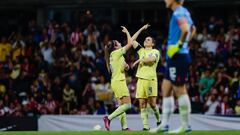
[(180, 16), (140, 52), (119, 53), (156, 55)]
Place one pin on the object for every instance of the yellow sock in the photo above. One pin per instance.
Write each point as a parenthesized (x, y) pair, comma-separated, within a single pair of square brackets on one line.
[(144, 116), (121, 109), (123, 120), (156, 113)]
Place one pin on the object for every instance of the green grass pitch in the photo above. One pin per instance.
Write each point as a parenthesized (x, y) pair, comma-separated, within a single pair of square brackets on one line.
[(230, 132)]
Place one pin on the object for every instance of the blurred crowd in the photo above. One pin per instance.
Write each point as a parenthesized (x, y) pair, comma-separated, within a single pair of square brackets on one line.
[(60, 69)]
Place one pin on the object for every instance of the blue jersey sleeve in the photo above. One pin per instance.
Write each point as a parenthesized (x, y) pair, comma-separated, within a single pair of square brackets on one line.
[(183, 16)]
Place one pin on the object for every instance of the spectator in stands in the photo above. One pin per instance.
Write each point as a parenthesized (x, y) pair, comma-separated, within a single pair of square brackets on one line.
[(237, 107), (47, 52), (50, 104), (194, 96), (87, 52), (57, 35), (210, 44), (76, 36), (212, 104), (83, 110), (100, 108), (5, 49), (69, 98), (18, 51), (19, 40), (2, 89), (205, 82), (102, 90), (91, 105), (2, 108), (32, 106), (92, 35), (225, 107)]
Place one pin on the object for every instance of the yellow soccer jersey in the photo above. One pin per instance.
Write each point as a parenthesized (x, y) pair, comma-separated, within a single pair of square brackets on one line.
[(117, 63), (237, 110), (148, 71), (5, 51)]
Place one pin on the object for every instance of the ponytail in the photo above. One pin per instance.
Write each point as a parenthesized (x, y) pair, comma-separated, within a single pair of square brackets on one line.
[(107, 51), (107, 58)]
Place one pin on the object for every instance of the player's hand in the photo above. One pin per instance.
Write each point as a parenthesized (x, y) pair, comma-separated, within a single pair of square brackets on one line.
[(173, 49), (124, 29), (145, 26), (126, 67), (135, 63)]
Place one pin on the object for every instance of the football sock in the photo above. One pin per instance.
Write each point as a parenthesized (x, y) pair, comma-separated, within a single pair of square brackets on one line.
[(121, 109), (156, 113), (144, 116), (168, 109), (123, 120), (184, 109)]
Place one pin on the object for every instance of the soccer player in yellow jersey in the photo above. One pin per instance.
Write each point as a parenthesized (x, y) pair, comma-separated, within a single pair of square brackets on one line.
[(116, 66), (147, 85)]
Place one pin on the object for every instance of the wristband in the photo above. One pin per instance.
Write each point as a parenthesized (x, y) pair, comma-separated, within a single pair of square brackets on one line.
[(180, 44)]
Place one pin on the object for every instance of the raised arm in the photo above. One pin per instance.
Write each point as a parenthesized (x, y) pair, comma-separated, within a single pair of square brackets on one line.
[(135, 36), (129, 39)]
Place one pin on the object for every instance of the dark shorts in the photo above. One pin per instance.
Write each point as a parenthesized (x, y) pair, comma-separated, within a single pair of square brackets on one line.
[(177, 69)]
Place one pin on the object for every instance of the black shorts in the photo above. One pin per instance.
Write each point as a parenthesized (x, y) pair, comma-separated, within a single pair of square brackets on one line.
[(177, 69)]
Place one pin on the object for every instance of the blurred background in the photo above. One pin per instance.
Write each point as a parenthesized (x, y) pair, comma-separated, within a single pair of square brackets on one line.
[(51, 54)]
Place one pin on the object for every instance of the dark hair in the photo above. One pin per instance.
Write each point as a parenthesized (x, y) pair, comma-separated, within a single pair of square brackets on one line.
[(109, 48), (180, 1), (153, 41)]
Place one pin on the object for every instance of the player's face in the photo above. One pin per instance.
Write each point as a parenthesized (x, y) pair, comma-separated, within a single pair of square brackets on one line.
[(117, 45), (169, 3), (148, 42)]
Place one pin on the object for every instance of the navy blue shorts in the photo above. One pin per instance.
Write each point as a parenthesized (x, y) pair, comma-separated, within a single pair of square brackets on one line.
[(177, 69)]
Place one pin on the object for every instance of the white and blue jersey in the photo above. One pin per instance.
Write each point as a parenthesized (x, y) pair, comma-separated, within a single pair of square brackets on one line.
[(180, 13)]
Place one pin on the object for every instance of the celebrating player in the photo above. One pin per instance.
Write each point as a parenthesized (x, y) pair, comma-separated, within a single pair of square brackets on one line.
[(147, 86), (180, 33), (116, 66)]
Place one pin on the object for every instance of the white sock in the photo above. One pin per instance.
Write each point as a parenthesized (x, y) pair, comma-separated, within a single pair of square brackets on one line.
[(167, 110), (184, 109)]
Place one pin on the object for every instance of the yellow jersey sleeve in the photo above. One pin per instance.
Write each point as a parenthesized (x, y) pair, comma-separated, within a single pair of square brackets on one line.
[(141, 53), (156, 54), (117, 62), (119, 53)]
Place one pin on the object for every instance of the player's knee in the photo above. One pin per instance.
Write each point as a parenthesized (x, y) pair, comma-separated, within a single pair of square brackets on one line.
[(142, 105), (129, 106), (180, 90), (126, 100), (152, 105)]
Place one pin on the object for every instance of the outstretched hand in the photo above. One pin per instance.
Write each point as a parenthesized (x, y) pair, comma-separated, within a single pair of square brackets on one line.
[(135, 63), (124, 29), (146, 26)]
